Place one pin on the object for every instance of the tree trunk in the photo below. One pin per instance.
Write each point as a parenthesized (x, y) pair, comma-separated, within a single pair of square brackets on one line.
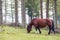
[(41, 6), (16, 12), (23, 14), (47, 9), (12, 11), (1, 12), (55, 10), (31, 14), (5, 12)]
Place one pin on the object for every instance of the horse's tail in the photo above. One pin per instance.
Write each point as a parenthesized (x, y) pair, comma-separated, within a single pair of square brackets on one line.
[(53, 29)]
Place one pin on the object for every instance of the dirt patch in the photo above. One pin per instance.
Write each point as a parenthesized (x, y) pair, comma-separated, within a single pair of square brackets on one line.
[(57, 30)]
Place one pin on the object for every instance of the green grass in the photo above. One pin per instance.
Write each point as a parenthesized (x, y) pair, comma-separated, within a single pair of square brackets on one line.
[(11, 33)]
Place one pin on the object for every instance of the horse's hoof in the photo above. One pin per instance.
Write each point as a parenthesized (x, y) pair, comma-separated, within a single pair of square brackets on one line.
[(54, 32), (48, 33), (39, 32)]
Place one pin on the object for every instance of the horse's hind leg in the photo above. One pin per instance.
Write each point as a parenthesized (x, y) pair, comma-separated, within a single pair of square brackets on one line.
[(49, 30), (53, 29)]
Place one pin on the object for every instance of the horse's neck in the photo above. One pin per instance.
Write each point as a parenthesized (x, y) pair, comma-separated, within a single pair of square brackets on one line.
[(31, 24)]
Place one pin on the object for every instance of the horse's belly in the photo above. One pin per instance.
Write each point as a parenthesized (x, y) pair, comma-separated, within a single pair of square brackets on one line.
[(42, 25)]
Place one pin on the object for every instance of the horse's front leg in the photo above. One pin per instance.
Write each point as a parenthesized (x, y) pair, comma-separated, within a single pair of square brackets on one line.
[(39, 30), (36, 30)]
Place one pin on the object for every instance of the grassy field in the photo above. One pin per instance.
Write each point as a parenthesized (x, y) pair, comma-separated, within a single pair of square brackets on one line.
[(11, 33)]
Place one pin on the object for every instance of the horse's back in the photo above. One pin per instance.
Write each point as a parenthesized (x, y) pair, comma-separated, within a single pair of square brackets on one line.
[(42, 22)]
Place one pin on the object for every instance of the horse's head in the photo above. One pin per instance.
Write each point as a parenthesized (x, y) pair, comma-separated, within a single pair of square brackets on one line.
[(29, 27)]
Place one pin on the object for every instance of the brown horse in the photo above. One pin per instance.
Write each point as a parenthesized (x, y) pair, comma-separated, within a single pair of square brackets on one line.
[(41, 23)]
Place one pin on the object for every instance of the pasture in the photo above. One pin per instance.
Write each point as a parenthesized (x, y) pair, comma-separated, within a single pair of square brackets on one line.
[(14, 33)]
